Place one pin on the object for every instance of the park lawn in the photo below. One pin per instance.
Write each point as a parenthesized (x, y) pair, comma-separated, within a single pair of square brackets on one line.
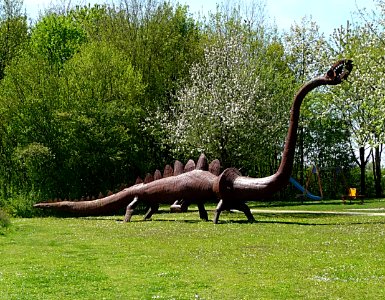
[(177, 256)]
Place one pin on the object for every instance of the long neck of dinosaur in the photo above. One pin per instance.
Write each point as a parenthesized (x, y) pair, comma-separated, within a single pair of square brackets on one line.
[(286, 166)]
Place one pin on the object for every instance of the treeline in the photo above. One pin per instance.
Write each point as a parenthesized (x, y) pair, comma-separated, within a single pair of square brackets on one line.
[(93, 96)]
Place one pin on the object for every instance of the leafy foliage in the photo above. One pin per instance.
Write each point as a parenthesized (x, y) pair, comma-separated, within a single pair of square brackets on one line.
[(362, 103), (4, 221), (13, 32), (161, 40), (225, 107), (73, 121), (305, 47), (57, 38), (100, 117)]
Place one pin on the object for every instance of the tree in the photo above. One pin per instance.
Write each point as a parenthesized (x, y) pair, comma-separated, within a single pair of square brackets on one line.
[(13, 38), (305, 47), (77, 132), (100, 118), (231, 106), (57, 38), (13, 32), (162, 41), (28, 95), (363, 103), (213, 111)]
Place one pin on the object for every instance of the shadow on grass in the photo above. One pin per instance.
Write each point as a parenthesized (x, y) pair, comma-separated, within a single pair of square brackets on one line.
[(274, 220), (301, 219), (259, 222)]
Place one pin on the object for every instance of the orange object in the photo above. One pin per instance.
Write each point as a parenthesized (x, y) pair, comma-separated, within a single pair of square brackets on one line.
[(352, 193)]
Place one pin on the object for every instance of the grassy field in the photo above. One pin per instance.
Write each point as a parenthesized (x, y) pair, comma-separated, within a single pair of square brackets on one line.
[(177, 256)]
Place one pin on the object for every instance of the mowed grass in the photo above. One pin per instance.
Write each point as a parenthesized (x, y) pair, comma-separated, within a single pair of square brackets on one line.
[(177, 256)]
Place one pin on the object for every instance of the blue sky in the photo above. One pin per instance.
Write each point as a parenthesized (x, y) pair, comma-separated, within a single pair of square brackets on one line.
[(329, 14)]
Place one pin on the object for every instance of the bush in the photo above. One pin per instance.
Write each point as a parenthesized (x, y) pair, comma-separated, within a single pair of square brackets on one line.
[(21, 205), (4, 220)]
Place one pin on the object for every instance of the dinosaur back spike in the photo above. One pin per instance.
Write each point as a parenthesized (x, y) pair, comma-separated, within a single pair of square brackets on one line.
[(138, 180), (168, 171), (157, 175), (178, 168), (190, 165), (215, 167), (149, 178), (202, 163)]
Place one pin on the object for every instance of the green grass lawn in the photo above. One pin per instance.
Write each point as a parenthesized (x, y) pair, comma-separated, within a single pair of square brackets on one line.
[(177, 256)]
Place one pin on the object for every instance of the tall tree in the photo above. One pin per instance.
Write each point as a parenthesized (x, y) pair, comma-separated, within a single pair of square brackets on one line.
[(162, 41), (305, 47), (234, 106), (363, 105), (99, 117), (13, 31)]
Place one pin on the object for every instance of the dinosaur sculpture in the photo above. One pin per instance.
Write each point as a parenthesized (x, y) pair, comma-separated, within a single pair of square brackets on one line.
[(199, 185)]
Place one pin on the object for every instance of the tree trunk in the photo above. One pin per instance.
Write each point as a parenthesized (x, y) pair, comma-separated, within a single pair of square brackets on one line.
[(302, 154), (362, 169), (377, 173)]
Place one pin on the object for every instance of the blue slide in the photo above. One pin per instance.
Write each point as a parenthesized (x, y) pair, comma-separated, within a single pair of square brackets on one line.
[(302, 189)]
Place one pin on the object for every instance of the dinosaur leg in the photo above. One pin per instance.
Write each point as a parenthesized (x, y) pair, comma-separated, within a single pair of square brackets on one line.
[(153, 209), (242, 206), (130, 209), (218, 210), (202, 211), (176, 207), (184, 205)]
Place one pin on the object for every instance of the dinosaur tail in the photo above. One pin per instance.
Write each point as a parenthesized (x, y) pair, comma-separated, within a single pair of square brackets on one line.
[(101, 206)]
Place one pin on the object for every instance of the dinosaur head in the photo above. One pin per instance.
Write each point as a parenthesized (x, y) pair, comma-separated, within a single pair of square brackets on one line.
[(339, 71)]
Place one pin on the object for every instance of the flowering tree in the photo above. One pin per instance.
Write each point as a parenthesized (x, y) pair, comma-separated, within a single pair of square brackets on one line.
[(363, 102), (228, 109), (214, 110), (305, 47)]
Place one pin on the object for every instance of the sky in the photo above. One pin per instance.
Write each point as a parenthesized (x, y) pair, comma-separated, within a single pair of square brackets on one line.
[(328, 14)]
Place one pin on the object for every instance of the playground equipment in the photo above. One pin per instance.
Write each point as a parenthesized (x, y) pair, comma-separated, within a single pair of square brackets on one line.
[(305, 190), (199, 185)]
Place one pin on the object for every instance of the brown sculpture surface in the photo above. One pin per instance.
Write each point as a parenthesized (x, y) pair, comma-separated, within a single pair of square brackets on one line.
[(199, 185)]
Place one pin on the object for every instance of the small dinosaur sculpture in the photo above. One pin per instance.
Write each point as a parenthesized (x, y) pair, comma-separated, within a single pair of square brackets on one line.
[(199, 185)]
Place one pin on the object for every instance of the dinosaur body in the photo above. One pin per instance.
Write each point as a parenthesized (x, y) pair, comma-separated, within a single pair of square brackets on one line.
[(199, 185)]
